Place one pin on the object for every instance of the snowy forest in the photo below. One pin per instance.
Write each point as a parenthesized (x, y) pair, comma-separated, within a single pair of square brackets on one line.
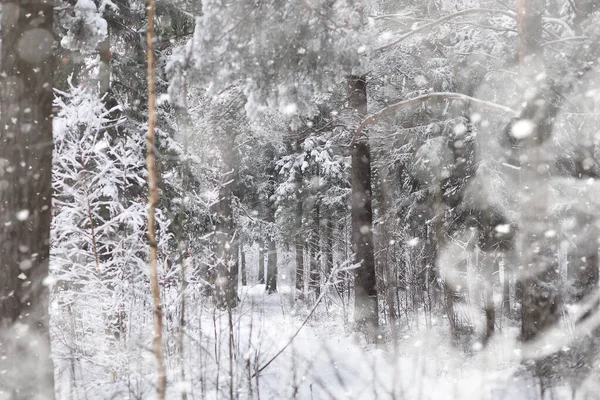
[(300, 199)]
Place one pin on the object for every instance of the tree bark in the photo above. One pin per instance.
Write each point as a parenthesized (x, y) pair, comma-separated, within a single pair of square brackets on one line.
[(104, 65), (299, 238), (243, 264), (25, 198), (153, 193), (490, 263), (506, 291), (540, 297), (261, 262), (272, 267), (328, 242), (366, 313), (388, 275), (227, 243), (529, 28), (582, 261), (315, 258)]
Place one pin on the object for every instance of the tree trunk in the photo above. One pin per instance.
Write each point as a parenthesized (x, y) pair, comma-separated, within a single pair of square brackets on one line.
[(153, 195), (272, 267), (104, 65), (490, 261), (328, 241), (390, 283), (243, 266), (529, 27), (582, 270), (540, 297), (315, 275), (506, 290), (261, 262), (227, 256), (299, 238), (25, 199), (366, 314), (227, 243)]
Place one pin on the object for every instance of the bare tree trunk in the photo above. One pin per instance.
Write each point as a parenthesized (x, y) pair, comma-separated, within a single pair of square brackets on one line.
[(506, 291), (261, 262), (299, 238), (243, 264), (227, 242), (490, 261), (315, 273), (366, 313), (153, 201), (25, 199), (104, 66), (271, 172), (390, 280), (328, 242), (227, 251), (540, 296), (582, 259), (272, 267)]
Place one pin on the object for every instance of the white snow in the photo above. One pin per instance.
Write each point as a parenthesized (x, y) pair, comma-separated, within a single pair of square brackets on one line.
[(522, 129)]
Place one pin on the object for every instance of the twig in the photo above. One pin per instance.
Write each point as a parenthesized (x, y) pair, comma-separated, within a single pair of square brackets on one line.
[(312, 311)]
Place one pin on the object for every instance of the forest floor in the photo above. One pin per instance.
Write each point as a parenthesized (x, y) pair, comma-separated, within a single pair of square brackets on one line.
[(325, 362)]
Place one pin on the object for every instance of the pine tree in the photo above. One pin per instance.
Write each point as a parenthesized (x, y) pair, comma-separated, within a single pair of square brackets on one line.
[(366, 313)]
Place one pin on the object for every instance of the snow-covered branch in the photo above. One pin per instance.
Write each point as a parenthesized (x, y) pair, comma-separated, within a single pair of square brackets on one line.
[(462, 13), (401, 105), (449, 17)]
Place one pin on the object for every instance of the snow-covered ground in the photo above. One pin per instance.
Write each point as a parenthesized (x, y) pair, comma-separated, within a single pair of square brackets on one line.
[(323, 361)]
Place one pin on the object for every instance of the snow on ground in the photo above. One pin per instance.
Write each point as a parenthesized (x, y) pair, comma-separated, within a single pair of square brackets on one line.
[(324, 361)]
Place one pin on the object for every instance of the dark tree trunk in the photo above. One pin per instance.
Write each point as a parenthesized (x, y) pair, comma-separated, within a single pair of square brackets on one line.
[(541, 300), (104, 65), (227, 253), (261, 262), (272, 267), (25, 199), (506, 291), (271, 208), (104, 83), (227, 242), (243, 264), (299, 237), (582, 260), (388, 276), (315, 258), (328, 242), (490, 263), (366, 314)]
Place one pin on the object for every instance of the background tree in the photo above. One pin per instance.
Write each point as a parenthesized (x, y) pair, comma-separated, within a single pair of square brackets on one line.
[(26, 67)]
